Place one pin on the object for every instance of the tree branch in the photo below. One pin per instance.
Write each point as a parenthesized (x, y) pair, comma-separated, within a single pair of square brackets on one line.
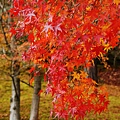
[(26, 83), (2, 26)]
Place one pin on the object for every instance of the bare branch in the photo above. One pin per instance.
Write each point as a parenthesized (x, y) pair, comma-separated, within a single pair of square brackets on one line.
[(26, 83), (4, 33)]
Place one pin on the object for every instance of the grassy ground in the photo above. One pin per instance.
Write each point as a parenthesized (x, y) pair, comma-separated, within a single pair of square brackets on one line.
[(113, 113)]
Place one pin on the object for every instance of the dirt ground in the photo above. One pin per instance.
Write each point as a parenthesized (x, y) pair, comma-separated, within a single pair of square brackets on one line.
[(110, 76)]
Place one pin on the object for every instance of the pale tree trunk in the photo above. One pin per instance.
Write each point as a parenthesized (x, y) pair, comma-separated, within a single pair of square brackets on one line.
[(36, 98), (15, 67), (15, 99), (15, 70)]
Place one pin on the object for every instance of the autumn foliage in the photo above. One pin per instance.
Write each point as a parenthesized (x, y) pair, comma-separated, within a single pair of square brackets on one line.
[(65, 36)]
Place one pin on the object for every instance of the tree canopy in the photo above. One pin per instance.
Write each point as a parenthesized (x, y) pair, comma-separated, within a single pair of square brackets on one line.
[(64, 38)]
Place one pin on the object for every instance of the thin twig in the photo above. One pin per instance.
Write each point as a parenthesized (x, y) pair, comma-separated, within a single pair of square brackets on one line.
[(26, 83), (4, 33)]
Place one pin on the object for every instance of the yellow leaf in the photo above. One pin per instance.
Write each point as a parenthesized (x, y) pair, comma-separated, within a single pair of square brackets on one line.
[(105, 27), (76, 75), (116, 2), (83, 74), (88, 8)]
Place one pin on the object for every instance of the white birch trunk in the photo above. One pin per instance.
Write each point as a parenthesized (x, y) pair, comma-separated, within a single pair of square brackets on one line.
[(15, 100), (12, 48)]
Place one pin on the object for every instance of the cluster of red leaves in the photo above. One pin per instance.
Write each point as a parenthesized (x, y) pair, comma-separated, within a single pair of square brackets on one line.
[(65, 35)]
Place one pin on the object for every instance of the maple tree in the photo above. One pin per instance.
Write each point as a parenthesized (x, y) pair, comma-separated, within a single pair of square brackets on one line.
[(65, 36)]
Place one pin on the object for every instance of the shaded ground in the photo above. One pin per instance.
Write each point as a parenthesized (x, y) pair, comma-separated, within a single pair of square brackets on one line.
[(110, 77)]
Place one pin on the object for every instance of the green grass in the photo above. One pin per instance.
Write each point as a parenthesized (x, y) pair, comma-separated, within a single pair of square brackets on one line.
[(113, 112)]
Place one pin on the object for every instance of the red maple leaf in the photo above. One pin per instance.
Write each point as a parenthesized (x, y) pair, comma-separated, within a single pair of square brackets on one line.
[(31, 37)]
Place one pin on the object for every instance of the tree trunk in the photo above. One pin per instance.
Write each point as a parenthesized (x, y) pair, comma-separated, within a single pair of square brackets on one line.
[(93, 71), (15, 71), (36, 97), (15, 99)]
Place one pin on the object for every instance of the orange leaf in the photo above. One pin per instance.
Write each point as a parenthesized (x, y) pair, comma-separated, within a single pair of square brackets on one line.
[(117, 2), (31, 81)]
